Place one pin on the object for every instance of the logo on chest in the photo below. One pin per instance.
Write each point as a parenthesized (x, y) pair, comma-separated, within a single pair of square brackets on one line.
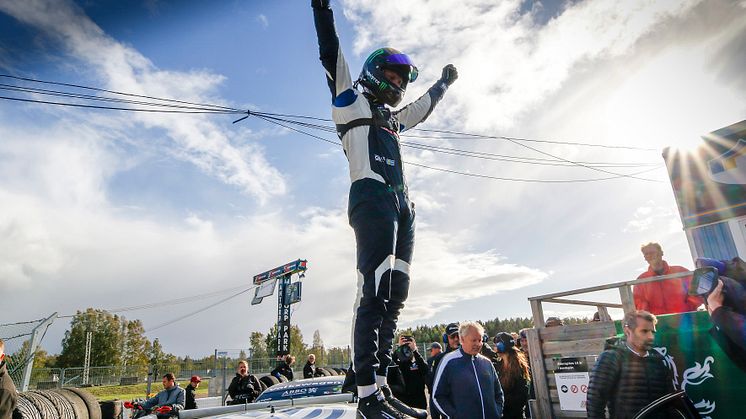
[(385, 160)]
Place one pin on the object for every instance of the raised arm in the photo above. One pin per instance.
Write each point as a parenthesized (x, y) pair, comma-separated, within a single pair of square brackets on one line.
[(420, 109), (337, 72)]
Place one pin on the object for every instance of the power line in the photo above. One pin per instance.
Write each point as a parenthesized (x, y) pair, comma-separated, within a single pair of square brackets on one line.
[(177, 106), (160, 304), (180, 318)]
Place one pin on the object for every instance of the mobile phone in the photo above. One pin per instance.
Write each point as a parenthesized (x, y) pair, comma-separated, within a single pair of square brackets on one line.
[(703, 281)]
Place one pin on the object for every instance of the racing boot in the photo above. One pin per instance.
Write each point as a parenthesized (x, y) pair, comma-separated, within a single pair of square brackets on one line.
[(401, 406), (375, 406)]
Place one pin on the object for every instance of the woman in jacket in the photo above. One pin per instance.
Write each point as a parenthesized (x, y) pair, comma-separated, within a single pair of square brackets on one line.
[(512, 369)]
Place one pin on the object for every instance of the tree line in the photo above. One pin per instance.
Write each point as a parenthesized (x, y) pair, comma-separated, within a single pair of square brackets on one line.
[(122, 342)]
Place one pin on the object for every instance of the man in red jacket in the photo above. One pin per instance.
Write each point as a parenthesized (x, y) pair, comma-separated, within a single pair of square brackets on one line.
[(667, 296)]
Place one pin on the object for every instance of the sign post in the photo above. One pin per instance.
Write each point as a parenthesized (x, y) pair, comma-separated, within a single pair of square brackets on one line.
[(288, 293)]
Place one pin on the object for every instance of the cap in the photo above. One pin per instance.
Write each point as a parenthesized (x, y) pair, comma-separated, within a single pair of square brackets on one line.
[(196, 379), (436, 345), (451, 329)]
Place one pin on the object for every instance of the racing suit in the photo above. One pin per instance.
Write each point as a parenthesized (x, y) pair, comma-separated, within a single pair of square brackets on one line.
[(379, 208)]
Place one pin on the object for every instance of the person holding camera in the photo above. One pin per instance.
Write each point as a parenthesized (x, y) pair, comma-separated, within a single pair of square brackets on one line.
[(284, 368), (245, 387), (724, 291), (414, 372)]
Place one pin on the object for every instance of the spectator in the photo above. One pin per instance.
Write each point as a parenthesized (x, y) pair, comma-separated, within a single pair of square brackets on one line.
[(554, 322), (729, 318), (466, 384), (414, 372), (245, 387), (435, 349), (667, 296), (309, 370), (628, 375), (172, 395), (8, 394), (285, 368), (523, 344), (451, 342), (512, 370), (190, 390)]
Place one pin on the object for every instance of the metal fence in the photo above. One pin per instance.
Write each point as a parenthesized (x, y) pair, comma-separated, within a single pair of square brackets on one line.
[(45, 378)]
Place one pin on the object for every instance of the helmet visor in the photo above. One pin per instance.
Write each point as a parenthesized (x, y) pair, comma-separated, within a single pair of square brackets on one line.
[(403, 60)]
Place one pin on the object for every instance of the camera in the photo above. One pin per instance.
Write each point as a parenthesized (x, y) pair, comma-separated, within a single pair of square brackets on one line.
[(704, 280), (405, 352)]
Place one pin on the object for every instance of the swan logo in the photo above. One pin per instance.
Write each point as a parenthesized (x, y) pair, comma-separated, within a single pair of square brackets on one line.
[(692, 376)]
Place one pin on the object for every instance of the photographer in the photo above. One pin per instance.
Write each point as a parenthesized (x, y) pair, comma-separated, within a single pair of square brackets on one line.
[(245, 387), (414, 372), (726, 302)]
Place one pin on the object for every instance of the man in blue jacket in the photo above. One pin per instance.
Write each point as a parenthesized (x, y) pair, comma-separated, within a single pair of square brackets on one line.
[(379, 208), (172, 395), (466, 384)]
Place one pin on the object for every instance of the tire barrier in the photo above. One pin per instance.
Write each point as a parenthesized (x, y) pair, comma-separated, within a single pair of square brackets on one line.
[(283, 379), (43, 405), (25, 409), (269, 380), (340, 371), (67, 403), (262, 385), (94, 409), (332, 371), (79, 408), (322, 372), (111, 409), (64, 408)]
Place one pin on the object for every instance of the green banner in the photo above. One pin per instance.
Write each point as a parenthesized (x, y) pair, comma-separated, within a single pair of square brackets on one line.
[(696, 353)]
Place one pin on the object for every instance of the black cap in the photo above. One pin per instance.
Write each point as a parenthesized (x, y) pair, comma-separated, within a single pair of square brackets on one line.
[(451, 329)]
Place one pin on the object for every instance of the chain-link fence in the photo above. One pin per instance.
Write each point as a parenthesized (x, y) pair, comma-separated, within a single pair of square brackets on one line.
[(45, 378)]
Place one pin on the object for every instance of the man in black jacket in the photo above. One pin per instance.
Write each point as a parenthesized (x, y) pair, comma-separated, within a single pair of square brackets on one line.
[(284, 368), (414, 372), (628, 375), (245, 387), (191, 388), (8, 394), (309, 370)]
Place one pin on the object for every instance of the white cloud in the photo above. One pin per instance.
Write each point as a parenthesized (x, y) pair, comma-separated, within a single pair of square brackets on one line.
[(262, 19), (650, 216), (120, 67)]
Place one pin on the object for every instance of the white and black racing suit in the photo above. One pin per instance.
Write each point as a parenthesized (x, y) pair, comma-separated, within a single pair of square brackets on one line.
[(379, 208)]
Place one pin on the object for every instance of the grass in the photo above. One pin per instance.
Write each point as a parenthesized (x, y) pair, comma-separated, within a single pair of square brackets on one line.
[(136, 391)]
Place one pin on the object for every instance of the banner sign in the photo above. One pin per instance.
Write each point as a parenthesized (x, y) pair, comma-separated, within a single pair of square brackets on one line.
[(283, 318), (571, 376), (264, 290), (293, 294), (286, 269)]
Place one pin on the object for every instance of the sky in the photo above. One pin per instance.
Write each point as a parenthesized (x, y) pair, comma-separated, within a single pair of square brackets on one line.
[(111, 209)]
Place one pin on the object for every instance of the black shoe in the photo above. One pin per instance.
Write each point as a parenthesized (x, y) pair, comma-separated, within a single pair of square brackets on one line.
[(401, 406), (349, 386), (376, 407)]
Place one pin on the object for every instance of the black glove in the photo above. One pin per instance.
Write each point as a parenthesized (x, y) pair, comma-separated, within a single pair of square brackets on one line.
[(450, 74), (320, 4)]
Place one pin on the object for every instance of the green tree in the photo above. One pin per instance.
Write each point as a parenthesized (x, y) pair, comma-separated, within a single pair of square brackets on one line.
[(258, 345), (105, 343), (41, 358), (136, 345), (317, 348), (297, 348)]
